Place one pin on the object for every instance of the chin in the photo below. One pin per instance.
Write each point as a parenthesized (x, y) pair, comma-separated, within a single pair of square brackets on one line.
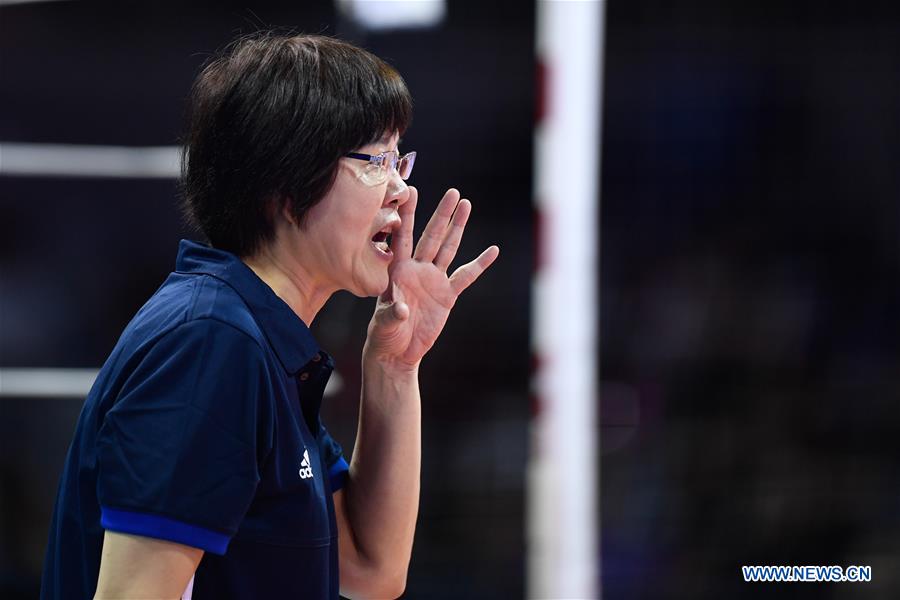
[(372, 287), (381, 288)]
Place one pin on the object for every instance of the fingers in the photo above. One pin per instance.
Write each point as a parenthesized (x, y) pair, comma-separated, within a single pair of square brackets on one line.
[(466, 275), (436, 230), (448, 249), (402, 240)]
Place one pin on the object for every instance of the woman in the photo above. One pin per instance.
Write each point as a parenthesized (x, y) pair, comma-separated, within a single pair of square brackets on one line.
[(200, 465)]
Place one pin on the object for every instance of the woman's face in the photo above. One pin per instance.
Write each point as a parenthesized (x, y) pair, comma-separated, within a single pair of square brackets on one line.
[(344, 231)]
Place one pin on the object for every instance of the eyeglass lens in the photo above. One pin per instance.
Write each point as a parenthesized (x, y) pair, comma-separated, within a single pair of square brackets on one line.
[(381, 165), (405, 167)]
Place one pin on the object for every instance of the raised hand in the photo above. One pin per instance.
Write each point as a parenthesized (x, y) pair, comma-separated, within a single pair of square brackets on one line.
[(412, 312)]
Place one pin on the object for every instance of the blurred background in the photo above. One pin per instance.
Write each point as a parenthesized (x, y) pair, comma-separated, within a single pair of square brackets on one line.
[(750, 288), (749, 276)]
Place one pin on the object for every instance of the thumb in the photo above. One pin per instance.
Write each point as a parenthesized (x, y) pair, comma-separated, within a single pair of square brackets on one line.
[(391, 309)]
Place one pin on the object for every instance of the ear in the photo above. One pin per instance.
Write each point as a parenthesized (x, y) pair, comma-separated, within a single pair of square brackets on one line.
[(287, 214), (283, 207)]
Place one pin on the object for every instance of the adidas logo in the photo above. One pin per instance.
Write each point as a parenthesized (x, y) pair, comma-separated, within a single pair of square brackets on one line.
[(305, 468)]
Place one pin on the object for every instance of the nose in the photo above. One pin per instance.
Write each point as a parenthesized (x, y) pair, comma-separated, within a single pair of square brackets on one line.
[(397, 190)]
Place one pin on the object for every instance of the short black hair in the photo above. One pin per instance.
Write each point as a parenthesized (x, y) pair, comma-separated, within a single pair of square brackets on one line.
[(269, 117)]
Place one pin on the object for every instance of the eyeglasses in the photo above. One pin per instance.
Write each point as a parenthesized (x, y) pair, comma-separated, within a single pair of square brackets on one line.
[(381, 165)]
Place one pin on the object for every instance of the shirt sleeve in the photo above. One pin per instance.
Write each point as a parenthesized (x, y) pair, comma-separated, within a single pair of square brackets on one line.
[(179, 452), (333, 457)]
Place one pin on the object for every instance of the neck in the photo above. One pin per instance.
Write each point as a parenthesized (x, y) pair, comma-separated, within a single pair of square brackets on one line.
[(291, 281)]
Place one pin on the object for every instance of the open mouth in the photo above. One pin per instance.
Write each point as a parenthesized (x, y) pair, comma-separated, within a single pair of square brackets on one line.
[(382, 242)]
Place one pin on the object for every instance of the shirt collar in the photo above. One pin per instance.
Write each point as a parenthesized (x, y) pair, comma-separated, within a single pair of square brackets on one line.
[(287, 333)]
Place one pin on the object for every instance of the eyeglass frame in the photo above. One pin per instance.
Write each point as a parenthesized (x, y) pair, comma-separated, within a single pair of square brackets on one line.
[(379, 160)]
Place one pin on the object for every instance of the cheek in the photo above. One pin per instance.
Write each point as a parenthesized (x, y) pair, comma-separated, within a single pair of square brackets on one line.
[(346, 218), (360, 217), (348, 238)]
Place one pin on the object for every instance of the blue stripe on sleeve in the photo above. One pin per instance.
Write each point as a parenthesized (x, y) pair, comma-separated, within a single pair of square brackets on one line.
[(337, 474), (163, 528)]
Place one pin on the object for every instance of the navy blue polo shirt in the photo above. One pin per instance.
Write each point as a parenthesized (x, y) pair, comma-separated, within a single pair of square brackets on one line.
[(203, 429)]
